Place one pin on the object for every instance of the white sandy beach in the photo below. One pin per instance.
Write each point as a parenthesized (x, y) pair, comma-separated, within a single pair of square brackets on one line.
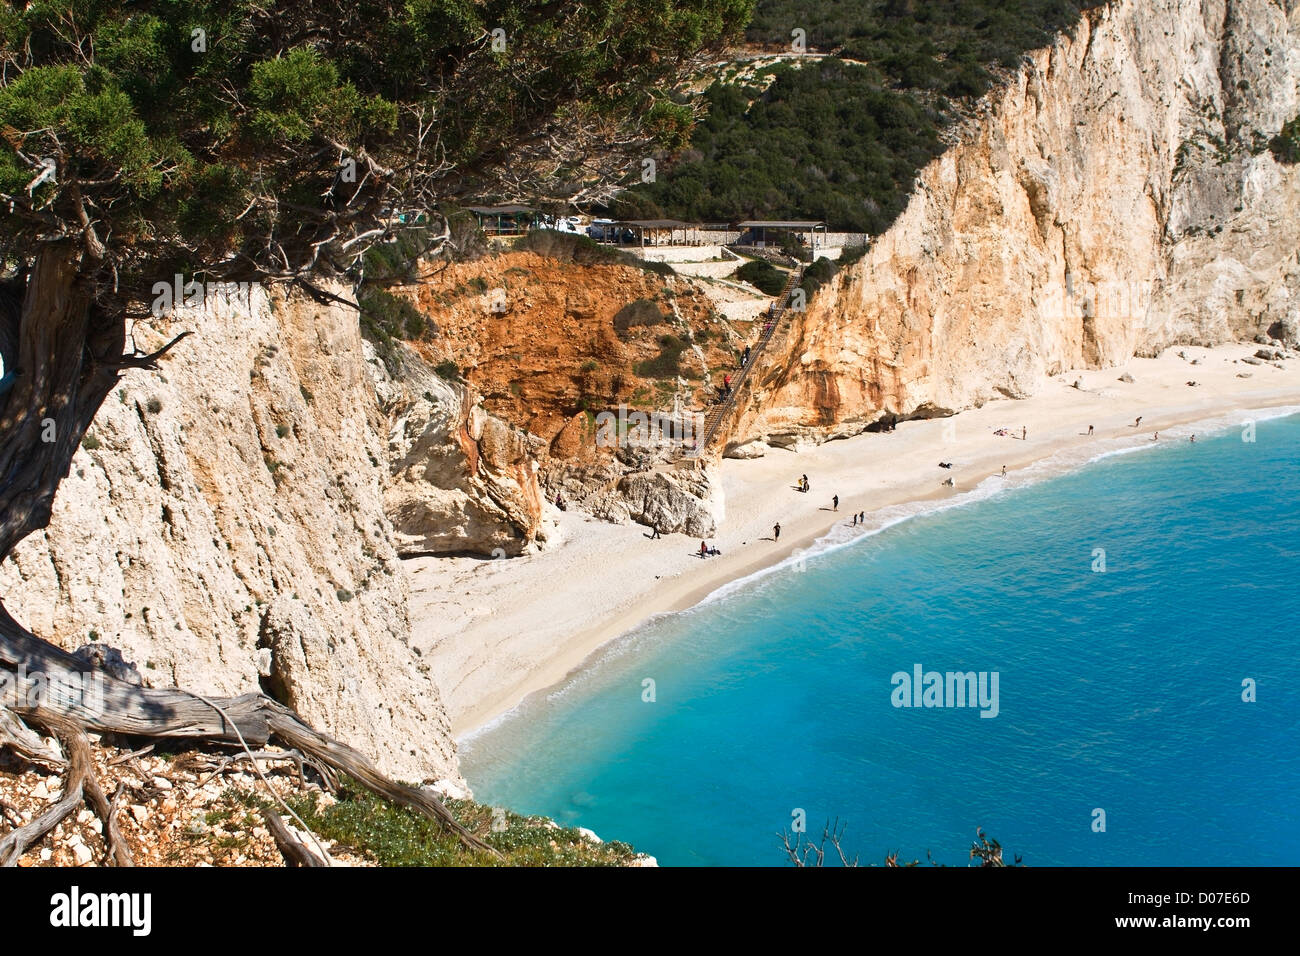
[(496, 631)]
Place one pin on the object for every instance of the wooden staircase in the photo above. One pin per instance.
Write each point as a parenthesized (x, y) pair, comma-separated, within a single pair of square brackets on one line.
[(717, 414)]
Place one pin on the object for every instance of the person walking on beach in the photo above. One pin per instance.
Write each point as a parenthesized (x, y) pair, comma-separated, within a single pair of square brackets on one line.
[(804, 483), (862, 517), (1004, 471), (1024, 433), (776, 531), (1089, 429), (835, 500), (854, 523), (1138, 422), (1155, 437)]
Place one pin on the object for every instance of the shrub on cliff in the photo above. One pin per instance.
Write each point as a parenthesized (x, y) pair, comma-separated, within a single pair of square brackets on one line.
[(667, 364), (387, 318), (1285, 146), (391, 836), (818, 274), (766, 277), (639, 313)]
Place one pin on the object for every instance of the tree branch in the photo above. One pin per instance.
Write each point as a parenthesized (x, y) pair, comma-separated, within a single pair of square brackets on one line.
[(139, 359)]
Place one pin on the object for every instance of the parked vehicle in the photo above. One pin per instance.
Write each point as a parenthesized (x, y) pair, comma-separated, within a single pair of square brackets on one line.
[(569, 224)]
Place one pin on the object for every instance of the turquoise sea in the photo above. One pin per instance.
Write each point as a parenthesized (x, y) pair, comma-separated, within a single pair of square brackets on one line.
[(1126, 606)]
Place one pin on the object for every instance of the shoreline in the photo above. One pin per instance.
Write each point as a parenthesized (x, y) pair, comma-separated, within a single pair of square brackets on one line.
[(494, 633)]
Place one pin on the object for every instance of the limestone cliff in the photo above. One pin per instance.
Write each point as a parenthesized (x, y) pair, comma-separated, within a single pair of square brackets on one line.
[(1115, 197), (459, 479), (224, 526)]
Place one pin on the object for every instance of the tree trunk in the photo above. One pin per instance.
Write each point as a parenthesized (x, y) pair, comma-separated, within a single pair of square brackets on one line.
[(62, 356)]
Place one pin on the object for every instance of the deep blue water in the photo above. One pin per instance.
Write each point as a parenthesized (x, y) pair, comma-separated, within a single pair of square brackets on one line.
[(1119, 690)]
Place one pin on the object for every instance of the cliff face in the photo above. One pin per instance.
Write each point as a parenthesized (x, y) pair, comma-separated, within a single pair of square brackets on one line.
[(1115, 198), (460, 479), (543, 339), (224, 528)]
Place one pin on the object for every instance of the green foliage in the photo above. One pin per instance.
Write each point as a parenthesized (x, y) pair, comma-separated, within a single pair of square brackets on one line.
[(1285, 146), (301, 95), (639, 313), (936, 45), (852, 255), (658, 268), (385, 316), (395, 836), (399, 259), (839, 141), (824, 270), (818, 274), (825, 141), (216, 134), (448, 370), (759, 272)]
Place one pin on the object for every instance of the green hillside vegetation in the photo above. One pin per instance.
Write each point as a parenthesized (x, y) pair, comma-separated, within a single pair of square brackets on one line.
[(838, 141), (826, 141), (939, 45)]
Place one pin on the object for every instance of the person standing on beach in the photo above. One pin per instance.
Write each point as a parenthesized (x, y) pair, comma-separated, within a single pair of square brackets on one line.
[(654, 528), (835, 500), (1089, 429), (862, 517), (776, 531), (1024, 433), (1138, 422), (1004, 471)]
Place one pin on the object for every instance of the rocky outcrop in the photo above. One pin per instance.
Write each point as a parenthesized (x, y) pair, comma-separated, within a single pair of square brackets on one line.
[(223, 526), (683, 500), (459, 480), (1116, 197)]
